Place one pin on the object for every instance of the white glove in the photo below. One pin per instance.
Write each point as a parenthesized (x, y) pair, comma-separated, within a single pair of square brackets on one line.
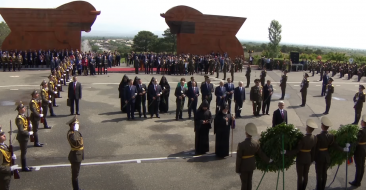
[(40, 115), (14, 157), (30, 132), (270, 160), (12, 168), (30, 125), (348, 145), (283, 152), (345, 149), (55, 92), (49, 101), (41, 109), (76, 127)]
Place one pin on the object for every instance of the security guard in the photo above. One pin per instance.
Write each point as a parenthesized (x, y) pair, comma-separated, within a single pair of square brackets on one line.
[(256, 97), (305, 153), (76, 155), (283, 82), (5, 161), (329, 90), (247, 75), (358, 99), (35, 116), (245, 157), (23, 134), (304, 89), (263, 76), (322, 158), (45, 98), (360, 154)]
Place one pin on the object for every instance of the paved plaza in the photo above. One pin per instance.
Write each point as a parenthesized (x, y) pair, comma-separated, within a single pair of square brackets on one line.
[(158, 153)]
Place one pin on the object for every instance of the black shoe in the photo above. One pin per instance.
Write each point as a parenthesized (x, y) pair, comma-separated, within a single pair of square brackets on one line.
[(239, 116), (151, 116), (176, 119), (180, 117), (77, 113), (281, 99), (267, 113), (302, 105), (354, 184), (53, 115), (157, 116), (145, 116), (60, 96), (325, 113), (139, 116), (71, 113), (26, 169), (48, 127), (354, 123), (38, 145), (55, 105)]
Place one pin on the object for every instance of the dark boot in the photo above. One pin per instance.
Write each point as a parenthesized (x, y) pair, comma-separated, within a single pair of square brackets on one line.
[(24, 166)]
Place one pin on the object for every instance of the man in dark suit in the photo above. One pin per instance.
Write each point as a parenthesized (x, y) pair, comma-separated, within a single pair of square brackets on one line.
[(207, 89), (129, 96), (267, 94), (180, 93), (239, 99), (154, 94), (76, 155), (358, 100), (193, 93), (325, 82), (74, 95), (280, 115), (141, 98), (220, 93), (229, 92)]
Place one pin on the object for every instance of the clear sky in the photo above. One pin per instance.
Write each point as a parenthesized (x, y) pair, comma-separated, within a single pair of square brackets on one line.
[(336, 23)]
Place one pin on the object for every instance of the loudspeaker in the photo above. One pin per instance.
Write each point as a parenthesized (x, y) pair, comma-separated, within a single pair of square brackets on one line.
[(294, 56)]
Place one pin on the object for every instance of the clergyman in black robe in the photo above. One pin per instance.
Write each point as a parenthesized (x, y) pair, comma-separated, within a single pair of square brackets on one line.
[(121, 88), (149, 100), (164, 102), (202, 126), (222, 124)]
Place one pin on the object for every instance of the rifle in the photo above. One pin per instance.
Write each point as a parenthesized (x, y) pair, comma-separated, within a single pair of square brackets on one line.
[(29, 126), (15, 172), (40, 110)]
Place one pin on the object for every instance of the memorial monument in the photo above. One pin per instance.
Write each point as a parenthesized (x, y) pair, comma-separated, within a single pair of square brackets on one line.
[(58, 28), (201, 34)]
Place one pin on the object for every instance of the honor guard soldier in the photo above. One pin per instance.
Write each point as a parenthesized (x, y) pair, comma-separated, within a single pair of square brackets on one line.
[(360, 154), (76, 155), (52, 92), (35, 116), (247, 75), (283, 84), (329, 90), (23, 134), (4, 61), (305, 153), (304, 89), (5, 162), (358, 100), (263, 76), (322, 158), (45, 98), (245, 157), (19, 61), (256, 97)]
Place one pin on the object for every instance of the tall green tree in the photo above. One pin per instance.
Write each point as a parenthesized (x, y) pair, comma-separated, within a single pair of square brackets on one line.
[(144, 41), (171, 40), (4, 31), (274, 35)]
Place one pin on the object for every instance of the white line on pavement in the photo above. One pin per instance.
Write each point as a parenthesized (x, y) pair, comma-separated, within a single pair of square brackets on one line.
[(14, 89), (122, 161), (296, 85), (318, 85)]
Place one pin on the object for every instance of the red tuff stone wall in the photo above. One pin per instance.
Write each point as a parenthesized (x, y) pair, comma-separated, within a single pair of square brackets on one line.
[(58, 28), (201, 34)]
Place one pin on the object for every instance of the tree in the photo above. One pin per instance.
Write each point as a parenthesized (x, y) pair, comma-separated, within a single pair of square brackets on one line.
[(4, 32), (274, 35), (171, 40), (143, 41)]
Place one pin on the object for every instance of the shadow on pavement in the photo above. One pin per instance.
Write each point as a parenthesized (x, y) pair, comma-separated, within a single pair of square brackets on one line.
[(112, 113)]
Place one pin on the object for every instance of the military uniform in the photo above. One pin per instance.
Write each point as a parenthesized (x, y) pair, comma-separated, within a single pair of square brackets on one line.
[(256, 98), (305, 154), (35, 117), (19, 62), (245, 157), (52, 92), (360, 154), (304, 89), (76, 155), (23, 126), (180, 93), (358, 100), (224, 70), (329, 90), (283, 85), (5, 162), (232, 70), (45, 98), (322, 158)]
